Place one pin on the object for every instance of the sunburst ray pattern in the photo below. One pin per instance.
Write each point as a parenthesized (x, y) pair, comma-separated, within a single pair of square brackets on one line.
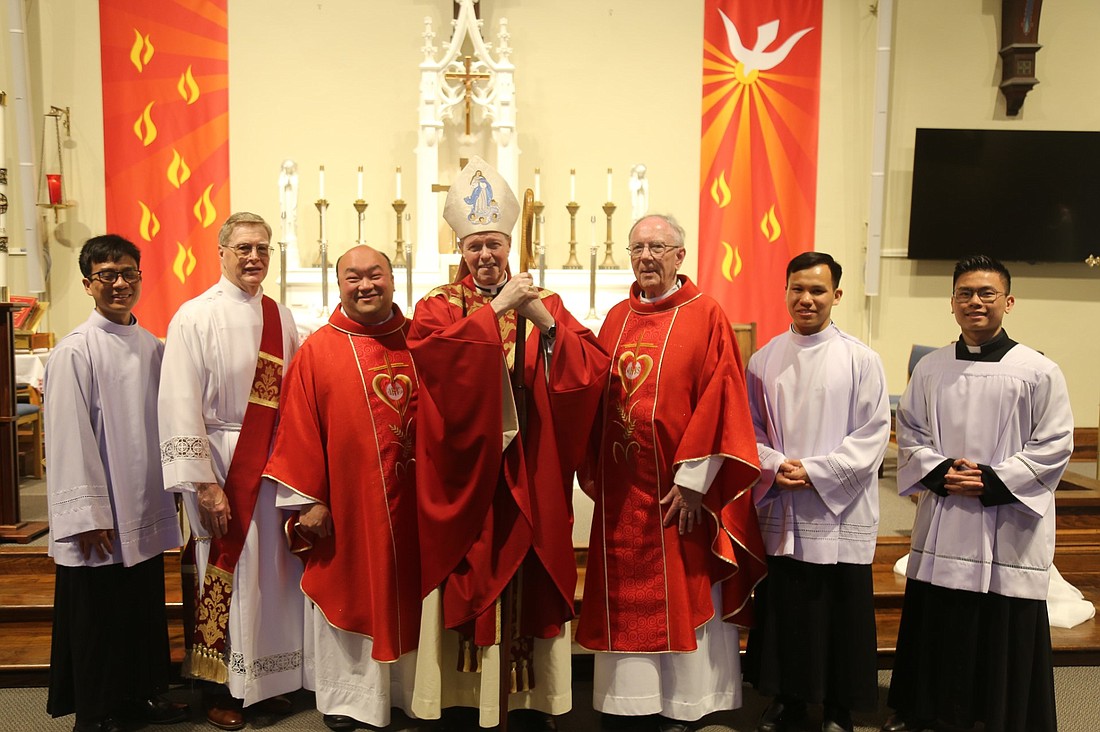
[(758, 173)]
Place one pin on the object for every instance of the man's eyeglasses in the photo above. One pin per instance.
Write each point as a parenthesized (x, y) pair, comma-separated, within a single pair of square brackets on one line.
[(656, 248), (263, 251), (110, 276), (987, 296)]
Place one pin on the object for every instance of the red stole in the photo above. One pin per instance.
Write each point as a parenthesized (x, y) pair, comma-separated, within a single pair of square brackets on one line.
[(206, 658)]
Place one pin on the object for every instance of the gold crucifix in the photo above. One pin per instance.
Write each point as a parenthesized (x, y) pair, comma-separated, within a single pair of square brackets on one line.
[(468, 78)]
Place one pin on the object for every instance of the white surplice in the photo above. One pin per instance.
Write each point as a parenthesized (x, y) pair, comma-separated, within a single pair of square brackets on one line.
[(209, 366), (101, 444), (821, 399), (1012, 415)]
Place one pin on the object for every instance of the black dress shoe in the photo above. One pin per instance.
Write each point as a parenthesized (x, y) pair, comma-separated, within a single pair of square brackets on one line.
[(900, 723), (781, 716), (620, 723), (533, 720), (836, 719), (156, 710), (340, 721), (664, 724), (107, 724)]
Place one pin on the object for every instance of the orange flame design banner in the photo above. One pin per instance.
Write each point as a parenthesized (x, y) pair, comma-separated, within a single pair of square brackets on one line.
[(757, 192), (166, 142)]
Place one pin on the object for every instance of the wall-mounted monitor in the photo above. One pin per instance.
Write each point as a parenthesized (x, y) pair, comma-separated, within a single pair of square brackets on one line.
[(1017, 195)]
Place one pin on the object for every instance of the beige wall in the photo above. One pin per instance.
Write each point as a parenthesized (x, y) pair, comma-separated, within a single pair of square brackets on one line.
[(607, 84)]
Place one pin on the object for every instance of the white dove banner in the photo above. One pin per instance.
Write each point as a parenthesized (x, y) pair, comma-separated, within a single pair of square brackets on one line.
[(761, 88)]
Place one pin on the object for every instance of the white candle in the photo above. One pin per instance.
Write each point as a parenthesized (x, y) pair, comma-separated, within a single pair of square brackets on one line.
[(398, 182), (609, 184), (593, 220), (359, 195), (572, 185), (322, 194), (3, 158), (538, 188)]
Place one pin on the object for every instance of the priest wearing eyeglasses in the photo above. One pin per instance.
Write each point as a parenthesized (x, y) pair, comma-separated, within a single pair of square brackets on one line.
[(219, 396), (675, 549), (984, 434)]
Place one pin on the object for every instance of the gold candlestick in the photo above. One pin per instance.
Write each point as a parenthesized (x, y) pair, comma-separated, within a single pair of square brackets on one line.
[(399, 255), (360, 208), (572, 207), (608, 260)]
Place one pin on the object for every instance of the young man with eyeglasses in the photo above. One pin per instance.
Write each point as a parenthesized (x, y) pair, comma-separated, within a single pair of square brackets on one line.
[(675, 549), (110, 518), (223, 365), (984, 434), (822, 418)]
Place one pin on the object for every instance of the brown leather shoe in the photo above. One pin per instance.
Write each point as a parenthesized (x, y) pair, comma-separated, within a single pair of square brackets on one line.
[(225, 717)]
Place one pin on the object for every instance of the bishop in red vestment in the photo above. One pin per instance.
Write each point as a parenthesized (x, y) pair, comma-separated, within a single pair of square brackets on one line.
[(675, 547), (496, 508), (344, 455)]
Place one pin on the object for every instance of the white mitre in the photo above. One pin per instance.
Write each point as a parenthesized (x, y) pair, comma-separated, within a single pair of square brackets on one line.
[(480, 200)]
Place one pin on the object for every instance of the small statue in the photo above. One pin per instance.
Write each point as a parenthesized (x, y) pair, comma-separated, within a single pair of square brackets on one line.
[(639, 192), (288, 210)]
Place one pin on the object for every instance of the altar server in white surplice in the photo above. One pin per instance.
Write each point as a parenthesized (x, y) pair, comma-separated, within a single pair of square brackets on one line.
[(822, 419), (223, 365), (984, 434), (110, 519)]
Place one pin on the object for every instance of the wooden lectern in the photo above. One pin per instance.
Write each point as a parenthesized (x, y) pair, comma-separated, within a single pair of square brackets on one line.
[(11, 527)]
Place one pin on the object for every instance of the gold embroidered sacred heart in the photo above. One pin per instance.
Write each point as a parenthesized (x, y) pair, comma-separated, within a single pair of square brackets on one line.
[(633, 370), (393, 391)]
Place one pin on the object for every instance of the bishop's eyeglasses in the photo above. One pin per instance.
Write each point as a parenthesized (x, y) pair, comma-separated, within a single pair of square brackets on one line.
[(110, 276), (987, 296)]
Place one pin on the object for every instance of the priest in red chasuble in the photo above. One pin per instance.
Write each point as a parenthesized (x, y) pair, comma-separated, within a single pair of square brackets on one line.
[(675, 549), (495, 505), (344, 458)]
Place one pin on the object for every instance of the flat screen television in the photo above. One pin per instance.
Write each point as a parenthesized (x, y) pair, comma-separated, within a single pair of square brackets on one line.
[(1017, 195)]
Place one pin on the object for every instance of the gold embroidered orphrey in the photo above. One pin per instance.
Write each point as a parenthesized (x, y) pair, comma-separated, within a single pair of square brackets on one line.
[(633, 369), (265, 387), (203, 660)]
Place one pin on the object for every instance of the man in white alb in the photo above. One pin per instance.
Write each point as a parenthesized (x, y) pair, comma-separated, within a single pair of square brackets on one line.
[(219, 393), (984, 434), (822, 419)]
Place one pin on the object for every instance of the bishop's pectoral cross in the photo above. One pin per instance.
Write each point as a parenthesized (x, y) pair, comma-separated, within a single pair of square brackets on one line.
[(468, 78)]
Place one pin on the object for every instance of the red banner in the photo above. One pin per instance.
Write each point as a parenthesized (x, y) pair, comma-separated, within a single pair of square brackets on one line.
[(166, 142), (761, 84)]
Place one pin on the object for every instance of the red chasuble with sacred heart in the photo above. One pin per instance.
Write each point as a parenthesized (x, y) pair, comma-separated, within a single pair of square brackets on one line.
[(675, 393), (346, 439)]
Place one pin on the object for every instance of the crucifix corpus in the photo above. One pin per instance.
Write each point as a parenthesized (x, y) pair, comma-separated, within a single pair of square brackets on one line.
[(468, 78)]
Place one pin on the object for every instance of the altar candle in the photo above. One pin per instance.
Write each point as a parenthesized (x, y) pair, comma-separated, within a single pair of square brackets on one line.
[(359, 195), (593, 220), (572, 184), (3, 111), (398, 182), (321, 195), (538, 188), (609, 184)]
